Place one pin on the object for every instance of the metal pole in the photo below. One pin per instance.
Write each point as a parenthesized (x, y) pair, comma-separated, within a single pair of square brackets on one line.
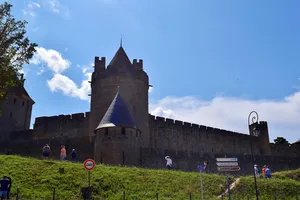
[(53, 193), (254, 175), (201, 184), (228, 186), (89, 172), (17, 197), (254, 120)]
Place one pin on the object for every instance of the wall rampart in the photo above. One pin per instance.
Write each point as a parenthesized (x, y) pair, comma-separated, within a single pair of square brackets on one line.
[(75, 125), (84, 147), (197, 139), (155, 158), (287, 150)]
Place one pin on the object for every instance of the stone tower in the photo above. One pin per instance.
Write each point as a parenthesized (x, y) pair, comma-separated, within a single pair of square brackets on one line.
[(117, 137), (16, 110), (263, 136), (134, 85)]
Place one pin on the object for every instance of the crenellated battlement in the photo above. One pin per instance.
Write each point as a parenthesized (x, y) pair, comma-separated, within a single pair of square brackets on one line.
[(138, 64), (99, 64), (161, 121), (73, 118)]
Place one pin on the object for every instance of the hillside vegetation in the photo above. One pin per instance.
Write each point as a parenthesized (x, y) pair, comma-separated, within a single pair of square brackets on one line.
[(36, 179)]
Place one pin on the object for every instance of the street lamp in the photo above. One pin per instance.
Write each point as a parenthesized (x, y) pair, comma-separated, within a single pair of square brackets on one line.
[(255, 132)]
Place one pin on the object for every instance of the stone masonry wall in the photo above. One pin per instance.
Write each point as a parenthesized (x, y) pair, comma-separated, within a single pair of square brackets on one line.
[(182, 160), (33, 147), (75, 125), (178, 136)]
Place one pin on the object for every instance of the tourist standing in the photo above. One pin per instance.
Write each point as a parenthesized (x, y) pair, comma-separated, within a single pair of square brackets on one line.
[(4, 182), (73, 154), (264, 171), (169, 162), (46, 151), (256, 171), (63, 153)]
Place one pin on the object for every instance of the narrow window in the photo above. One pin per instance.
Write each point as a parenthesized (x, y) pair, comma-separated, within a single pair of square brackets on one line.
[(123, 131), (22, 103), (15, 100), (106, 131), (10, 114)]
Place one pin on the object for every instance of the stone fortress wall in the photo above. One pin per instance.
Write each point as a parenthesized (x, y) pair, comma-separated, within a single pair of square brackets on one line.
[(187, 144), (75, 125)]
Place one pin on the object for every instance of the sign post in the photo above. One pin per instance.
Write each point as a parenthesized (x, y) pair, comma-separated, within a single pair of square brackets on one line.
[(228, 165), (201, 168), (89, 165)]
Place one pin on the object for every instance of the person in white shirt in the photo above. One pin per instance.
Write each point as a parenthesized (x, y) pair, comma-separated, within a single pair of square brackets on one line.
[(169, 162), (256, 171)]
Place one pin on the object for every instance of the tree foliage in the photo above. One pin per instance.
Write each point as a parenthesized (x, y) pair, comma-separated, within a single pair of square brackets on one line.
[(281, 140), (15, 49)]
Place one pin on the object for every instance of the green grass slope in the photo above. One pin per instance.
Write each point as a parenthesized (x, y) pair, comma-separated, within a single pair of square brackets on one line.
[(36, 179)]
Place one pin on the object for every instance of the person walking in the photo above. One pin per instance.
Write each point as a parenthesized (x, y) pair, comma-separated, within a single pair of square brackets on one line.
[(4, 187), (268, 172), (46, 151), (63, 153), (169, 162), (264, 171), (256, 171), (73, 154)]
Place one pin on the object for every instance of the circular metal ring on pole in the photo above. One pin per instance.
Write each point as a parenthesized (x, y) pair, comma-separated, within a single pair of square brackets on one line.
[(253, 116)]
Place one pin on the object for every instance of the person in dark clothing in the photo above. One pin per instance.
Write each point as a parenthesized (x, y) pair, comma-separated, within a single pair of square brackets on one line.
[(46, 151), (5, 184), (73, 154)]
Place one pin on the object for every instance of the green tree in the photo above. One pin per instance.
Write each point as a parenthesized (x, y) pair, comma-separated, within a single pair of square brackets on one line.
[(15, 49), (281, 140)]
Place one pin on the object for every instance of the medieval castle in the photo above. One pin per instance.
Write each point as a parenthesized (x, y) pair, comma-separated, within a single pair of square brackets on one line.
[(119, 130)]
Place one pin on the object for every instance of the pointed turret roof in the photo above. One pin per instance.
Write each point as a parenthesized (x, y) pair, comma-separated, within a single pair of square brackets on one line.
[(19, 89), (120, 58), (117, 115)]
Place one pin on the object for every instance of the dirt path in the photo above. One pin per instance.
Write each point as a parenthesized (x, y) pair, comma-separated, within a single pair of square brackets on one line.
[(232, 186)]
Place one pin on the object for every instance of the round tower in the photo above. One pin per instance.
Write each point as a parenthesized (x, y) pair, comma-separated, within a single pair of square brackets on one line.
[(134, 86), (117, 137)]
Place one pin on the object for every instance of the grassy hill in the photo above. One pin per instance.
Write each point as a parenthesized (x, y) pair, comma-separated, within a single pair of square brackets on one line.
[(36, 179)]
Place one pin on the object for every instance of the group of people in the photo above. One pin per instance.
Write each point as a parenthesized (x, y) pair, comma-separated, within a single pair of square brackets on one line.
[(5, 185), (63, 153), (266, 172)]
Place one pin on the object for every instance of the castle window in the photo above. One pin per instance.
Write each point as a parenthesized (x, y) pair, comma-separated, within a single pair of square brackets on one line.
[(123, 131), (15, 100), (106, 131), (23, 103), (10, 114)]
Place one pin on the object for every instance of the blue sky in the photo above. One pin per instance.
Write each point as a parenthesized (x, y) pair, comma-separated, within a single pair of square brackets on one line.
[(210, 62)]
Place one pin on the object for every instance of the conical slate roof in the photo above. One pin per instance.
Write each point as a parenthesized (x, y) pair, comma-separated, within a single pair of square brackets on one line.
[(120, 58), (19, 89), (117, 115)]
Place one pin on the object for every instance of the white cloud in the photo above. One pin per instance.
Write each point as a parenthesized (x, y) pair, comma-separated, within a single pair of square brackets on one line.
[(228, 113), (67, 86), (54, 60), (54, 6), (57, 7), (30, 8)]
